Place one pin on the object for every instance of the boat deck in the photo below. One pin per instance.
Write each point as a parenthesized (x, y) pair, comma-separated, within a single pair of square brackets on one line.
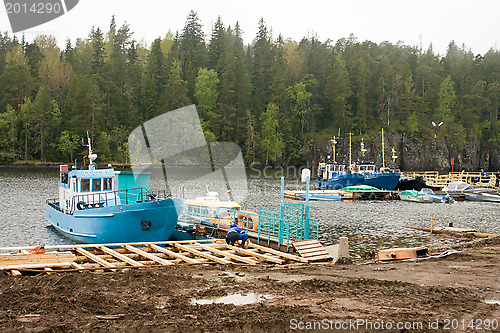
[(63, 258)]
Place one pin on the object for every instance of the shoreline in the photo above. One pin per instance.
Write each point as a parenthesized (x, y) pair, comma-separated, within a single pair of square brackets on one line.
[(430, 292)]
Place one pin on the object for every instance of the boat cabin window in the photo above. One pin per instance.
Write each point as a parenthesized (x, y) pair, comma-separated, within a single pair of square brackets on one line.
[(96, 184), (107, 184), (85, 185), (366, 168)]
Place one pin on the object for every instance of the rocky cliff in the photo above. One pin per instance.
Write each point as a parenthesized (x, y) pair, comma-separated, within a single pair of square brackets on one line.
[(416, 154)]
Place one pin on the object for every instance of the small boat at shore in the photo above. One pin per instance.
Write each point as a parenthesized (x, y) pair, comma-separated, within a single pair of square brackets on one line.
[(473, 193), (415, 196), (99, 206), (482, 196), (438, 198), (426, 195)]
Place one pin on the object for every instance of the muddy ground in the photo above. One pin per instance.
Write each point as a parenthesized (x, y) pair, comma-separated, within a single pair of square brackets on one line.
[(446, 294)]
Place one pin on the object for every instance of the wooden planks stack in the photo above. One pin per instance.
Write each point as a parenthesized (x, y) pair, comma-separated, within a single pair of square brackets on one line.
[(137, 255), (312, 250)]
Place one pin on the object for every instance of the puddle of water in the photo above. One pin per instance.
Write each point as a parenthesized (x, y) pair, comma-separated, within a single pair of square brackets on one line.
[(492, 301), (236, 299)]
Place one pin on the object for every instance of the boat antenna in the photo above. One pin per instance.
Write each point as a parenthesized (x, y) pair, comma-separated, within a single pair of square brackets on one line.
[(91, 155), (394, 156), (363, 149), (334, 142)]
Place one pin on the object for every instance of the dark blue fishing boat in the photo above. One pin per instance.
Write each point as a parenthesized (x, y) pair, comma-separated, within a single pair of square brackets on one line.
[(334, 177)]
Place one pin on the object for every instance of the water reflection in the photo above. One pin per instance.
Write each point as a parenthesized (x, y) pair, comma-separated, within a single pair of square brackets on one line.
[(369, 225)]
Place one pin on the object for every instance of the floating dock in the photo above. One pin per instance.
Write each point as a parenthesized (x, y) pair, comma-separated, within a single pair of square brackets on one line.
[(63, 258), (345, 195)]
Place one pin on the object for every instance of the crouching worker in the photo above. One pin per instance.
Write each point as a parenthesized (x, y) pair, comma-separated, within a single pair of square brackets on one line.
[(235, 234)]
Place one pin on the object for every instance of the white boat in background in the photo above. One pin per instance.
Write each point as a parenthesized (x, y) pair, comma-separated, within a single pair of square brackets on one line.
[(426, 195), (415, 196), (482, 196)]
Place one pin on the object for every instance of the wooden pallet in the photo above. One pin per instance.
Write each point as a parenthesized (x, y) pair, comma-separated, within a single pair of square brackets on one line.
[(137, 255), (312, 250)]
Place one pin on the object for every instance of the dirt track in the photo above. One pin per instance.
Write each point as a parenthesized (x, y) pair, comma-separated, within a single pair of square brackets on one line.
[(428, 292)]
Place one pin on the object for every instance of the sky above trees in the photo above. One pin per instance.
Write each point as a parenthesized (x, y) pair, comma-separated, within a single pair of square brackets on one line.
[(280, 100), (474, 24)]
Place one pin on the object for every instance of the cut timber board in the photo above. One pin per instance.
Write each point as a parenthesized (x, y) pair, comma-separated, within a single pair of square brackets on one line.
[(251, 253), (229, 255), (22, 259), (278, 253), (120, 256), (202, 254), (94, 258), (176, 255), (61, 258), (148, 255), (312, 250)]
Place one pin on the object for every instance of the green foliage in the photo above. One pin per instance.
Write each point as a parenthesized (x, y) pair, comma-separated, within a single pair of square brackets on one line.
[(271, 139), (278, 99)]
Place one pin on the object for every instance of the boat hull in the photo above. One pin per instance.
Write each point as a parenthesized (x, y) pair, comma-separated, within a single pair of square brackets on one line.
[(118, 224), (386, 181), (420, 198), (486, 197), (411, 183)]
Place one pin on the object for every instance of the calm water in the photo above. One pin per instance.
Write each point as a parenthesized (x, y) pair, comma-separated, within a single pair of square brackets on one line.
[(370, 225)]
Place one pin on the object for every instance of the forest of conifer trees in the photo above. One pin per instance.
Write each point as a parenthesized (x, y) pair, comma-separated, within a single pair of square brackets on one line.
[(276, 98)]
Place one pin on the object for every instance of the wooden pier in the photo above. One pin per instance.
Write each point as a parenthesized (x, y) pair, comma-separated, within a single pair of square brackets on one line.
[(346, 195), (62, 258)]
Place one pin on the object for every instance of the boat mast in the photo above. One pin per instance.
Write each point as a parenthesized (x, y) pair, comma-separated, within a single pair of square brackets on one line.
[(383, 153), (91, 155), (334, 142), (350, 151), (363, 150)]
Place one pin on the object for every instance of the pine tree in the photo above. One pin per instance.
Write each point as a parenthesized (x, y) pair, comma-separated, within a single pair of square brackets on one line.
[(337, 94), (43, 107), (206, 95), (262, 70), (271, 139), (155, 82), (192, 51)]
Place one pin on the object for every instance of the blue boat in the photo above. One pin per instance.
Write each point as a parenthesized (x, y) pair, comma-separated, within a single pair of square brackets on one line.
[(99, 206), (332, 176)]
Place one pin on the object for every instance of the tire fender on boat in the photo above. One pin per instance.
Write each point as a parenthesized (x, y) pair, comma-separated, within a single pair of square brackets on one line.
[(80, 205), (372, 196)]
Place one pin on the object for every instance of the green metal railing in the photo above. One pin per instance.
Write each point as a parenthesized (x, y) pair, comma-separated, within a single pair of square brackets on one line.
[(291, 222), (270, 226)]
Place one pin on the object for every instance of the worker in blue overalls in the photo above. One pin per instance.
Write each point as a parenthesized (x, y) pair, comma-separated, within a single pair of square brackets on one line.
[(235, 234)]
